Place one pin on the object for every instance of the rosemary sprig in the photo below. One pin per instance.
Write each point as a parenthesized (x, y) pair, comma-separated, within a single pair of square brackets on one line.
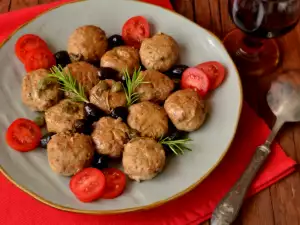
[(68, 83), (131, 83), (177, 146)]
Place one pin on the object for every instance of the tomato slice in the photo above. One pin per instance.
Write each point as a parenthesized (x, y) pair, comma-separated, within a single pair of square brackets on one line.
[(215, 72), (23, 135), (135, 30), (27, 43), (88, 185), (115, 183), (40, 58), (195, 79)]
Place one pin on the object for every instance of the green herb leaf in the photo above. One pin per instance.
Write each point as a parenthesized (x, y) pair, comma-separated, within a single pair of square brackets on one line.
[(68, 83), (131, 83), (177, 146)]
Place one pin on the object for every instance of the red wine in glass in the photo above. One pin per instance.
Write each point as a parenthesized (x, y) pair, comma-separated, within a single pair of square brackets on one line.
[(253, 48)]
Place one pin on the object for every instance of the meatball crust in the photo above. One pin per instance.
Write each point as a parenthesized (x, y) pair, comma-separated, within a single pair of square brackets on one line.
[(84, 73), (87, 43), (186, 110), (149, 119), (159, 52), (107, 100), (143, 159), (109, 136), (62, 117), (157, 88), (68, 153), (121, 58), (37, 93)]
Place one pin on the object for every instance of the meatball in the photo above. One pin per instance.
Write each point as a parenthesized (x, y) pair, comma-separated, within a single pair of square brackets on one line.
[(107, 95), (149, 119), (62, 117), (109, 136), (143, 159), (157, 88), (121, 58), (87, 43), (84, 73), (69, 153), (38, 93), (159, 52), (186, 110)]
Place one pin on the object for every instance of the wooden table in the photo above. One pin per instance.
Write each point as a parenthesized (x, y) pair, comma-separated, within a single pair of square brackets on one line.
[(279, 204)]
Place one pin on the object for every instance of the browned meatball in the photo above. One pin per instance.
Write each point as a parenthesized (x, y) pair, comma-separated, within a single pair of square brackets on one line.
[(157, 88), (121, 58), (107, 95), (186, 110), (143, 159), (62, 117), (149, 119), (109, 136), (38, 93), (159, 52), (87, 43), (84, 73), (69, 153)]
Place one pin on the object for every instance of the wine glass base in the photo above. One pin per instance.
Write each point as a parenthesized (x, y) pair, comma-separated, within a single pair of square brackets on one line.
[(255, 63)]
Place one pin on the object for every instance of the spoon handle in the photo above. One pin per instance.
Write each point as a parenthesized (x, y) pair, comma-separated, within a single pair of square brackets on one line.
[(228, 209)]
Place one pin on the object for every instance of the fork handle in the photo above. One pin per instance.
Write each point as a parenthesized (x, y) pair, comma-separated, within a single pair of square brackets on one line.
[(229, 207)]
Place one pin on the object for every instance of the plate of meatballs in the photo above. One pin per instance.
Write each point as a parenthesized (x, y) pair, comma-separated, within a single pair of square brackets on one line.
[(105, 114)]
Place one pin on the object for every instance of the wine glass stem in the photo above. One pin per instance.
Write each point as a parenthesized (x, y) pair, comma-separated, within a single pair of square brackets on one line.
[(251, 46)]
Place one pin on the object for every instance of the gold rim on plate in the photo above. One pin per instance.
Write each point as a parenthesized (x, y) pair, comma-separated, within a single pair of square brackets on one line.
[(146, 207)]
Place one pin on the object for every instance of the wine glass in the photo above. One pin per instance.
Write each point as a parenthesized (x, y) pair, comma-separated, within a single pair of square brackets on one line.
[(252, 46)]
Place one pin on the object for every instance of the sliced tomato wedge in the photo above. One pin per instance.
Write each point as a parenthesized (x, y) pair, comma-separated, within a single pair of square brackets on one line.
[(135, 30), (27, 43), (195, 79), (215, 72), (40, 58), (23, 135), (115, 183), (88, 185)]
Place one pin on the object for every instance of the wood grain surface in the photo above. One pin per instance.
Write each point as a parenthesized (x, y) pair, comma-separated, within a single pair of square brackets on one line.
[(279, 204)]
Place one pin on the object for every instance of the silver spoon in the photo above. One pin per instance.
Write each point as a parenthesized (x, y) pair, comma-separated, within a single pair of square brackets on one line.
[(284, 100)]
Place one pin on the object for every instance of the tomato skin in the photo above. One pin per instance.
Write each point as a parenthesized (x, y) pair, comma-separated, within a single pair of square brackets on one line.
[(23, 135), (88, 184), (215, 72), (195, 79), (135, 30), (115, 183), (27, 43), (40, 58)]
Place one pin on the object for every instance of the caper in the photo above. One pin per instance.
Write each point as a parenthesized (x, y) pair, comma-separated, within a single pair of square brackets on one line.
[(133, 133), (40, 120), (102, 85), (117, 86)]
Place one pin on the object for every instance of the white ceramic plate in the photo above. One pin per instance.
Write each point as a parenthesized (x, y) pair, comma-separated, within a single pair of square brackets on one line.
[(30, 171)]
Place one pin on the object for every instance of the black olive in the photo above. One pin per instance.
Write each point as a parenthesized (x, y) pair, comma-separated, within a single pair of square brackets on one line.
[(176, 84), (100, 161), (62, 58), (95, 63), (83, 126), (107, 73), (178, 135), (45, 139), (176, 71), (115, 41), (92, 112), (121, 112)]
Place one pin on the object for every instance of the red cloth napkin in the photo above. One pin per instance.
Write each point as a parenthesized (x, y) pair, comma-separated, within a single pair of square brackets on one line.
[(18, 208)]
